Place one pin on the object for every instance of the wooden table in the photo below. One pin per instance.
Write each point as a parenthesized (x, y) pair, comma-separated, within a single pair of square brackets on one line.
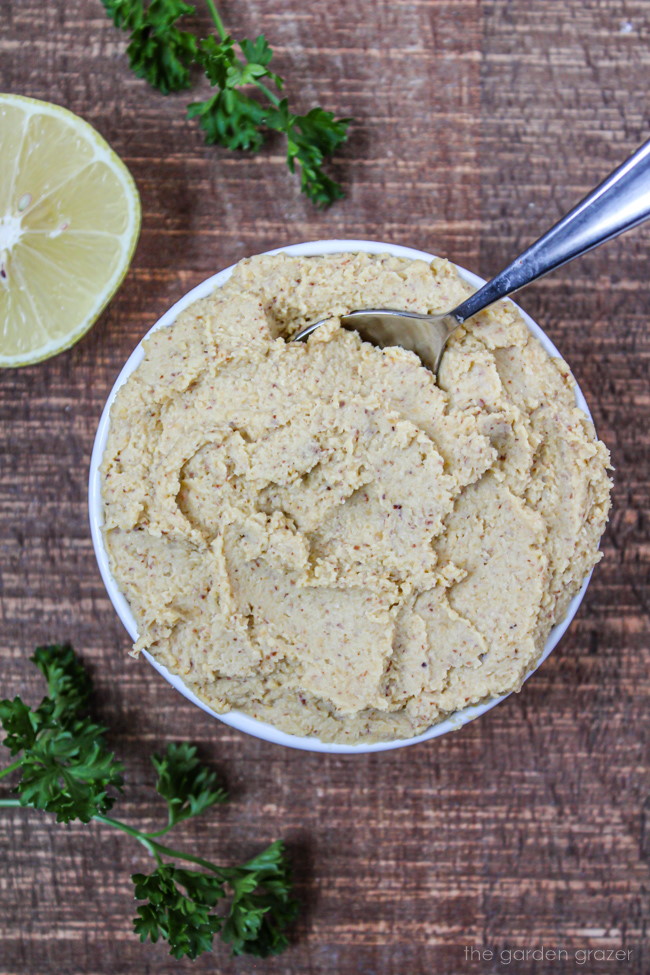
[(478, 123)]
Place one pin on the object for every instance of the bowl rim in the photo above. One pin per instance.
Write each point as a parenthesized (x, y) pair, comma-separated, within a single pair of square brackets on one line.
[(237, 719)]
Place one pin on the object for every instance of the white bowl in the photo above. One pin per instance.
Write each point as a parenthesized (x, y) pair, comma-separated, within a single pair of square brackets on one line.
[(235, 718)]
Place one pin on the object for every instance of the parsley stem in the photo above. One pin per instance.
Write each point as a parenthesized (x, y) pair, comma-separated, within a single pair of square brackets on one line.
[(153, 847), (269, 94), (161, 832), (156, 849), (11, 768), (218, 23), (118, 824), (167, 851)]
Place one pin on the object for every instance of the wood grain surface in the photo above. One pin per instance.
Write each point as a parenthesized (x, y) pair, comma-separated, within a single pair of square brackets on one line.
[(477, 124)]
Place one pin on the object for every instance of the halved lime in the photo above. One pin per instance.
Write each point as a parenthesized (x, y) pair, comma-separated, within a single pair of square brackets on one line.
[(69, 223)]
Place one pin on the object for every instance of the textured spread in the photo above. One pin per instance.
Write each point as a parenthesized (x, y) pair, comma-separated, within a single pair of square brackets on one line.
[(318, 534)]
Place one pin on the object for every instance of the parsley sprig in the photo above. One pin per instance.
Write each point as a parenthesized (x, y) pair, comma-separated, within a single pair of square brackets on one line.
[(163, 54), (66, 768), (65, 765)]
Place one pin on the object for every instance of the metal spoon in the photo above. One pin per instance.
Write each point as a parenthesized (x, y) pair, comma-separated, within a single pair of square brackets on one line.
[(620, 202)]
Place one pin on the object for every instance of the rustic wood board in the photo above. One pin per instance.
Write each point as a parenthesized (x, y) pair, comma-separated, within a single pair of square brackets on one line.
[(478, 122)]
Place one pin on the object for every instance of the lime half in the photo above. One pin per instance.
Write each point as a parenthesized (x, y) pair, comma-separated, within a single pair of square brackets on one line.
[(69, 223)]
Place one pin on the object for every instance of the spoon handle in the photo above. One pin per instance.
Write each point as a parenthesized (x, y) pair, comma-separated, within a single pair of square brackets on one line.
[(620, 202)]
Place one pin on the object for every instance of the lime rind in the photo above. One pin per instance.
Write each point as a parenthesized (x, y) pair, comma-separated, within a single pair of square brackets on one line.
[(101, 153)]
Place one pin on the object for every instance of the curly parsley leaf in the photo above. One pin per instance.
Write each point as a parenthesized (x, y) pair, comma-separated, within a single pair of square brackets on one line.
[(180, 906), (67, 772), (188, 786), (178, 909), (68, 688), (20, 723), (159, 51), (261, 907), (68, 683), (126, 14), (311, 139), (65, 765), (216, 58), (259, 54), (231, 120)]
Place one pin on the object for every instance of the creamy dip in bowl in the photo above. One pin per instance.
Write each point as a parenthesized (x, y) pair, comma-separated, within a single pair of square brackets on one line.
[(318, 544)]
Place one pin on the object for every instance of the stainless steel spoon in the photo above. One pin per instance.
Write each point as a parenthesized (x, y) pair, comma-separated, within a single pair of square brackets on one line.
[(620, 202)]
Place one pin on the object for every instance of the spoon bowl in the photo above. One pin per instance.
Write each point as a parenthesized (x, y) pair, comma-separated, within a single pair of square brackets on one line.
[(426, 335)]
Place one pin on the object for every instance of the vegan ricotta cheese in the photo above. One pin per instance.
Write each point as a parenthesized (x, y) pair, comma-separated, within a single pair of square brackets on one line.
[(324, 537)]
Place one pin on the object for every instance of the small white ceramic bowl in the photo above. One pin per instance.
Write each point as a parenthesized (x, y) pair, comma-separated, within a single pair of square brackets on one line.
[(235, 718)]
